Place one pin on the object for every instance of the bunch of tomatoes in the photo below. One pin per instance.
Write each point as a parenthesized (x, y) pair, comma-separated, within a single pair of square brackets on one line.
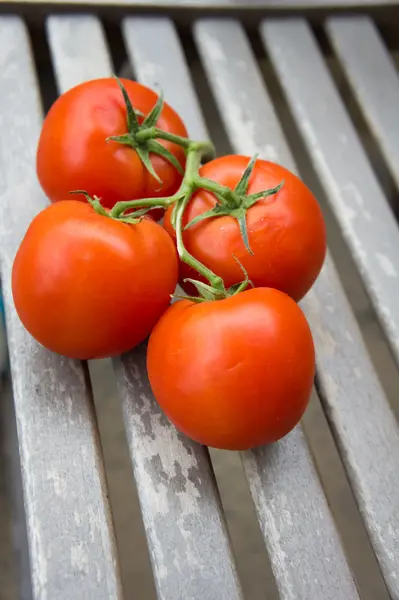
[(232, 363)]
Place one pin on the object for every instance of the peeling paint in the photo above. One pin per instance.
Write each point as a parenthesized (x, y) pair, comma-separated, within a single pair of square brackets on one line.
[(386, 265)]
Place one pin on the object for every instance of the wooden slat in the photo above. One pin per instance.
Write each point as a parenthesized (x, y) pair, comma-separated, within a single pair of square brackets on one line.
[(373, 77), (358, 202), (239, 90), (186, 532), (68, 64), (153, 66), (182, 515), (362, 422), (69, 530)]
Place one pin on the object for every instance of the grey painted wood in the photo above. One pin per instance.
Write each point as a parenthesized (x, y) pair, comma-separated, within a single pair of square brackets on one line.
[(186, 532), (153, 66), (373, 77), (300, 536), (67, 37), (238, 88), (363, 424), (181, 509), (69, 529), (354, 193)]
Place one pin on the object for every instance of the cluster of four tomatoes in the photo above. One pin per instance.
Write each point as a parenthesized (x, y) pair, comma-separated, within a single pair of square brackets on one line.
[(233, 372)]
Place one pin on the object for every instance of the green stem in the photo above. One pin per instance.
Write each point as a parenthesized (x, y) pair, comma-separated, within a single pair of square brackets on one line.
[(121, 207), (152, 133), (215, 281), (194, 156), (195, 153)]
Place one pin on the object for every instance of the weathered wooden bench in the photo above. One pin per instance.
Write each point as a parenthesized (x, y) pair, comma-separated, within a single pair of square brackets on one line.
[(69, 533)]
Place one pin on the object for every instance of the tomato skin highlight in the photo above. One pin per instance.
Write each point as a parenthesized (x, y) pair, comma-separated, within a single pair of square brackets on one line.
[(72, 153), (286, 231), (86, 286), (234, 373)]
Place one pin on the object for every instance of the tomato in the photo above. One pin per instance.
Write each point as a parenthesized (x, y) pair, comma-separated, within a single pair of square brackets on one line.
[(286, 231), (87, 286), (72, 153), (234, 373)]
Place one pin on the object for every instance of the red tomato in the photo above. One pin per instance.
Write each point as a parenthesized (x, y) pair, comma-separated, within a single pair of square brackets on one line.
[(87, 286), (73, 155), (234, 373), (286, 231)]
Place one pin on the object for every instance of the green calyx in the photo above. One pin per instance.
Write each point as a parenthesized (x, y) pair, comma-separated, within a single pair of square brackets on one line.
[(207, 293), (143, 137), (94, 202), (234, 203)]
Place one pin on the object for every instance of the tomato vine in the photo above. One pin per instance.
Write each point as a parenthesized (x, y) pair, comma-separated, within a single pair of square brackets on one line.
[(143, 138)]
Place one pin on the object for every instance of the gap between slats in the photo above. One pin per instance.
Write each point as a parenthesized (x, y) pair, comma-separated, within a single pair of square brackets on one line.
[(371, 74)]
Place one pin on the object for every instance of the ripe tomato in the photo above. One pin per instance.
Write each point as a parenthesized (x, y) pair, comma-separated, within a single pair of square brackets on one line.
[(286, 231), (233, 373), (73, 155), (87, 286)]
